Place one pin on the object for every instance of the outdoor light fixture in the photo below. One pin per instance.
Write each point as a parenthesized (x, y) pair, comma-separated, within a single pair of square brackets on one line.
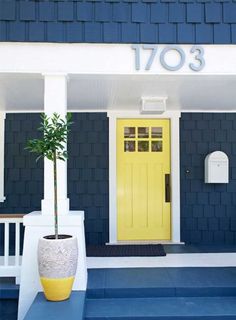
[(153, 105)]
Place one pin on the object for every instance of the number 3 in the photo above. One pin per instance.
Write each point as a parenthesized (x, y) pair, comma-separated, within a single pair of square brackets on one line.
[(199, 57)]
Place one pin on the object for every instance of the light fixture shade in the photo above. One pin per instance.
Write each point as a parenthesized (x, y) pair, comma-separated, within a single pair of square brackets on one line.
[(153, 105)]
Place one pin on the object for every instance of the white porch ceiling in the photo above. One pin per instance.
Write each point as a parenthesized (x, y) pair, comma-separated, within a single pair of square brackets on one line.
[(24, 92)]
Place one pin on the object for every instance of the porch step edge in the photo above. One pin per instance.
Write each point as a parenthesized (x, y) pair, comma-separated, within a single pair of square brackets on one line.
[(161, 292), (219, 308)]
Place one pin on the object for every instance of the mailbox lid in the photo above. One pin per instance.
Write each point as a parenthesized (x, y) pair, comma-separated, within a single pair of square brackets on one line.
[(218, 156)]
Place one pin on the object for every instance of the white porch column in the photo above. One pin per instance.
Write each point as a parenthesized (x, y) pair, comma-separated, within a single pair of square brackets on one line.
[(55, 100), (39, 224)]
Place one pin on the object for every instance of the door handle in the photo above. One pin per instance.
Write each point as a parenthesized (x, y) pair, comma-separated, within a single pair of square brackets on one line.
[(167, 187)]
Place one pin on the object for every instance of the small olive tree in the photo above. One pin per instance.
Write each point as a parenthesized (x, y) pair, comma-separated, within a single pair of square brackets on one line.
[(53, 147)]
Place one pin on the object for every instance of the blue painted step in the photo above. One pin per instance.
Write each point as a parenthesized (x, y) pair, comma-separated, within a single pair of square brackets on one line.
[(161, 294), (8, 289), (8, 309), (161, 282), (9, 293), (171, 308)]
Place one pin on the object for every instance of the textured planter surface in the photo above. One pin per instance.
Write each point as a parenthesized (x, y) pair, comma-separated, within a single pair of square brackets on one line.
[(57, 260)]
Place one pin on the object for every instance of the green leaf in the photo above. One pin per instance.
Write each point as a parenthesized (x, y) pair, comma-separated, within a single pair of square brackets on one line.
[(55, 131)]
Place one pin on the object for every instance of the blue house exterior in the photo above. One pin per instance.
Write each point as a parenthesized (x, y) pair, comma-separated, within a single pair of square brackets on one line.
[(110, 59), (207, 210)]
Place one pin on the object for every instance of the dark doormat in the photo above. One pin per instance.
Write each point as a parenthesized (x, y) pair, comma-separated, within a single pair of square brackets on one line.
[(133, 250)]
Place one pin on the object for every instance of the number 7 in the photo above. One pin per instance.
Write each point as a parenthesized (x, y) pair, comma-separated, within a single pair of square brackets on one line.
[(153, 48)]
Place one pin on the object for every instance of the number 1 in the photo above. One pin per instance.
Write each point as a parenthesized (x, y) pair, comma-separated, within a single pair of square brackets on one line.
[(136, 48)]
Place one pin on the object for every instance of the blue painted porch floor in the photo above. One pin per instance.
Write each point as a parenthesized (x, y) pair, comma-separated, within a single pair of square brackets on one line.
[(71, 309)]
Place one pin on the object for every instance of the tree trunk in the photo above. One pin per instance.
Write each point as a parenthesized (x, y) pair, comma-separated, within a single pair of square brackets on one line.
[(55, 194)]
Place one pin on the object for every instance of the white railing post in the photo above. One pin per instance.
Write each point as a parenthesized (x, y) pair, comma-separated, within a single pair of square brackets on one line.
[(2, 146), (17, 243), (6, 244), (10, 265)]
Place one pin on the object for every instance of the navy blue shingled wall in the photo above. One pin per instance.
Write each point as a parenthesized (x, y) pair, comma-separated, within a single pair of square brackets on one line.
[(23, 176), (88, 173), (208, 211), (87, 170), (127, 21)]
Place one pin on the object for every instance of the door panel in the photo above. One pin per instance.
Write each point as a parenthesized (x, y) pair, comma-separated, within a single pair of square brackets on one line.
[(143, 159)]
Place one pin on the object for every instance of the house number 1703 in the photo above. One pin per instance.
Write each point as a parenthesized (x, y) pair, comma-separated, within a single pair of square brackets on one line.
[(197, 53)]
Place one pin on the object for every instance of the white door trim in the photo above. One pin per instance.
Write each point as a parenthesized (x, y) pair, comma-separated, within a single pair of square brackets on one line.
[(175, 170), (2, 147)]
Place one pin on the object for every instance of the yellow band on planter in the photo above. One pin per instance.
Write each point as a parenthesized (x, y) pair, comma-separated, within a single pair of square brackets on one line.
[(57, 289)]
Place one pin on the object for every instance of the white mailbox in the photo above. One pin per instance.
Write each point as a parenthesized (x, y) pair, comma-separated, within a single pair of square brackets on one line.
[(217, 167)]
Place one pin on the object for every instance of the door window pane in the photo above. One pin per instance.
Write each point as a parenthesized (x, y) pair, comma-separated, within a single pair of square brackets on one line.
[(156, 146), (143, 132), (129, 132), (129, 146), (156, 132), (143, 146)]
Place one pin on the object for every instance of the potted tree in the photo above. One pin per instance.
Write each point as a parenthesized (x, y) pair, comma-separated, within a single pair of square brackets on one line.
[(57, 253)]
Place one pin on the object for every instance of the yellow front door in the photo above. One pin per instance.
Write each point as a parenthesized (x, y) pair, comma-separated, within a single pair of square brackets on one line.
[(143, 171)]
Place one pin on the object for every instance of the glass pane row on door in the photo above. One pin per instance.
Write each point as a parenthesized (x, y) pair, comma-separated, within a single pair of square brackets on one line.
[(142, 132), (144, 139)]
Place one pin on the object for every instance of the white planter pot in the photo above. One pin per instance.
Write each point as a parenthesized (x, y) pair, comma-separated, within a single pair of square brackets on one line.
[(57, 262)]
